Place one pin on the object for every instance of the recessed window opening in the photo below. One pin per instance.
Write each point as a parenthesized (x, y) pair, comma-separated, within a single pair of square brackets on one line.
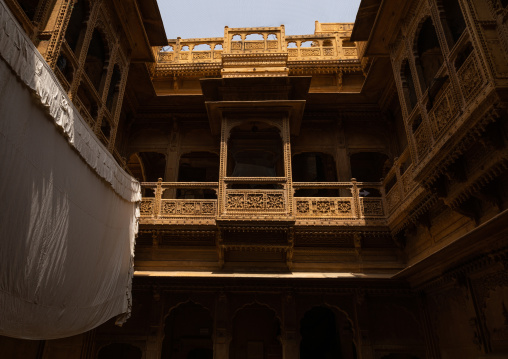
[(254, 37), (96, 59), (272, 37), (255, 150), (430, 57), (325, 335), (77, 24), (198, 167), (408, 85), (188, 333), (307, 44), (185, 48), (463, 55), (167, 48), (64, 65), (255, 334), (114, 88), (314, 167), (218, 47), (292, 45), (369, 166), (29, 7), (202, 47), (453, 23)]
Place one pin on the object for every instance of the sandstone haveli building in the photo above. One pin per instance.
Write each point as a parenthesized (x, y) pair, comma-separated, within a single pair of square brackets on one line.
[(340, 194)]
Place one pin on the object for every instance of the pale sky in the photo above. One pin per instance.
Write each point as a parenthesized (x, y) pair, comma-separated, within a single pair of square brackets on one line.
[(207, 18)]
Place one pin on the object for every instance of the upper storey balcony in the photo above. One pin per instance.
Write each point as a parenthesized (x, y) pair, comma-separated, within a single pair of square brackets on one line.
[(264, 199), (328, 55), (255, 118)]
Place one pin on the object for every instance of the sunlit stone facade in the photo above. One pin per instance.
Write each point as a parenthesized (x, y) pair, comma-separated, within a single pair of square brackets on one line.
[(340, 194)]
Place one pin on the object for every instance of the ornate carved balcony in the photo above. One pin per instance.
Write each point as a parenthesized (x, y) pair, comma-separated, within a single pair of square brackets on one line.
[(360, 203)]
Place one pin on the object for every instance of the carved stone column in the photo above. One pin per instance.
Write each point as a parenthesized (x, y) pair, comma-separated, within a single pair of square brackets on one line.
[(156, 331), (290, 343), (364, 346), (222, 334), (286, 140)]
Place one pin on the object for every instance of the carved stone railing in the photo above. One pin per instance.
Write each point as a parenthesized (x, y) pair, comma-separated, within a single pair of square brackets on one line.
[(356, 202), (351, 206), (443, 112), (255, 201), (399, 183), (160, 208), (321, 47), (259, 201), (254, 40), (269, 40), (470, 77), (182, 51)]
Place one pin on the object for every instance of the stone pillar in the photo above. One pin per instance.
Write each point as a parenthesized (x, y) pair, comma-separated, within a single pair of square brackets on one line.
[(222, 335), (172, 160), (364, 346), (155, 334), (290, 345)]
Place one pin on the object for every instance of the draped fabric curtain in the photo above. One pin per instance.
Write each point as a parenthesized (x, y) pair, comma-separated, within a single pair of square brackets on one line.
[(69, 212)]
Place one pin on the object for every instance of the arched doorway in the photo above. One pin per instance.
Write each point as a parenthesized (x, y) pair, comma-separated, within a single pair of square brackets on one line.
[(119, 351), (326, 335), (188, 333), (255, 150), (256, 332)]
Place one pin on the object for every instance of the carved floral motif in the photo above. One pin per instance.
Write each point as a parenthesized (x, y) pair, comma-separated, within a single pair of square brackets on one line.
[(372, 207), (168, 208), (146, 207), (302, 207), (469, 77), (258, 202)]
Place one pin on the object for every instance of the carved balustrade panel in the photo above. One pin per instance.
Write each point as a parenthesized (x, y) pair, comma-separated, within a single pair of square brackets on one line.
[(202, 55), (255, 201), (422, 141), (470, 77), (320, 207), (393, 197), (371, 207), (443, 113), (166, 57), (146, 207), (187, 207), (310, 52), (408, 182)]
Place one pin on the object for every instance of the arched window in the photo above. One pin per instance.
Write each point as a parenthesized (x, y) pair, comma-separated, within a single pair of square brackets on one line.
[(96, 59), (429, 56), (325, 335), (77, 24), (453, 20), (254, 37), (188, 333), (408, 86), (255, 150), (256, 333)]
